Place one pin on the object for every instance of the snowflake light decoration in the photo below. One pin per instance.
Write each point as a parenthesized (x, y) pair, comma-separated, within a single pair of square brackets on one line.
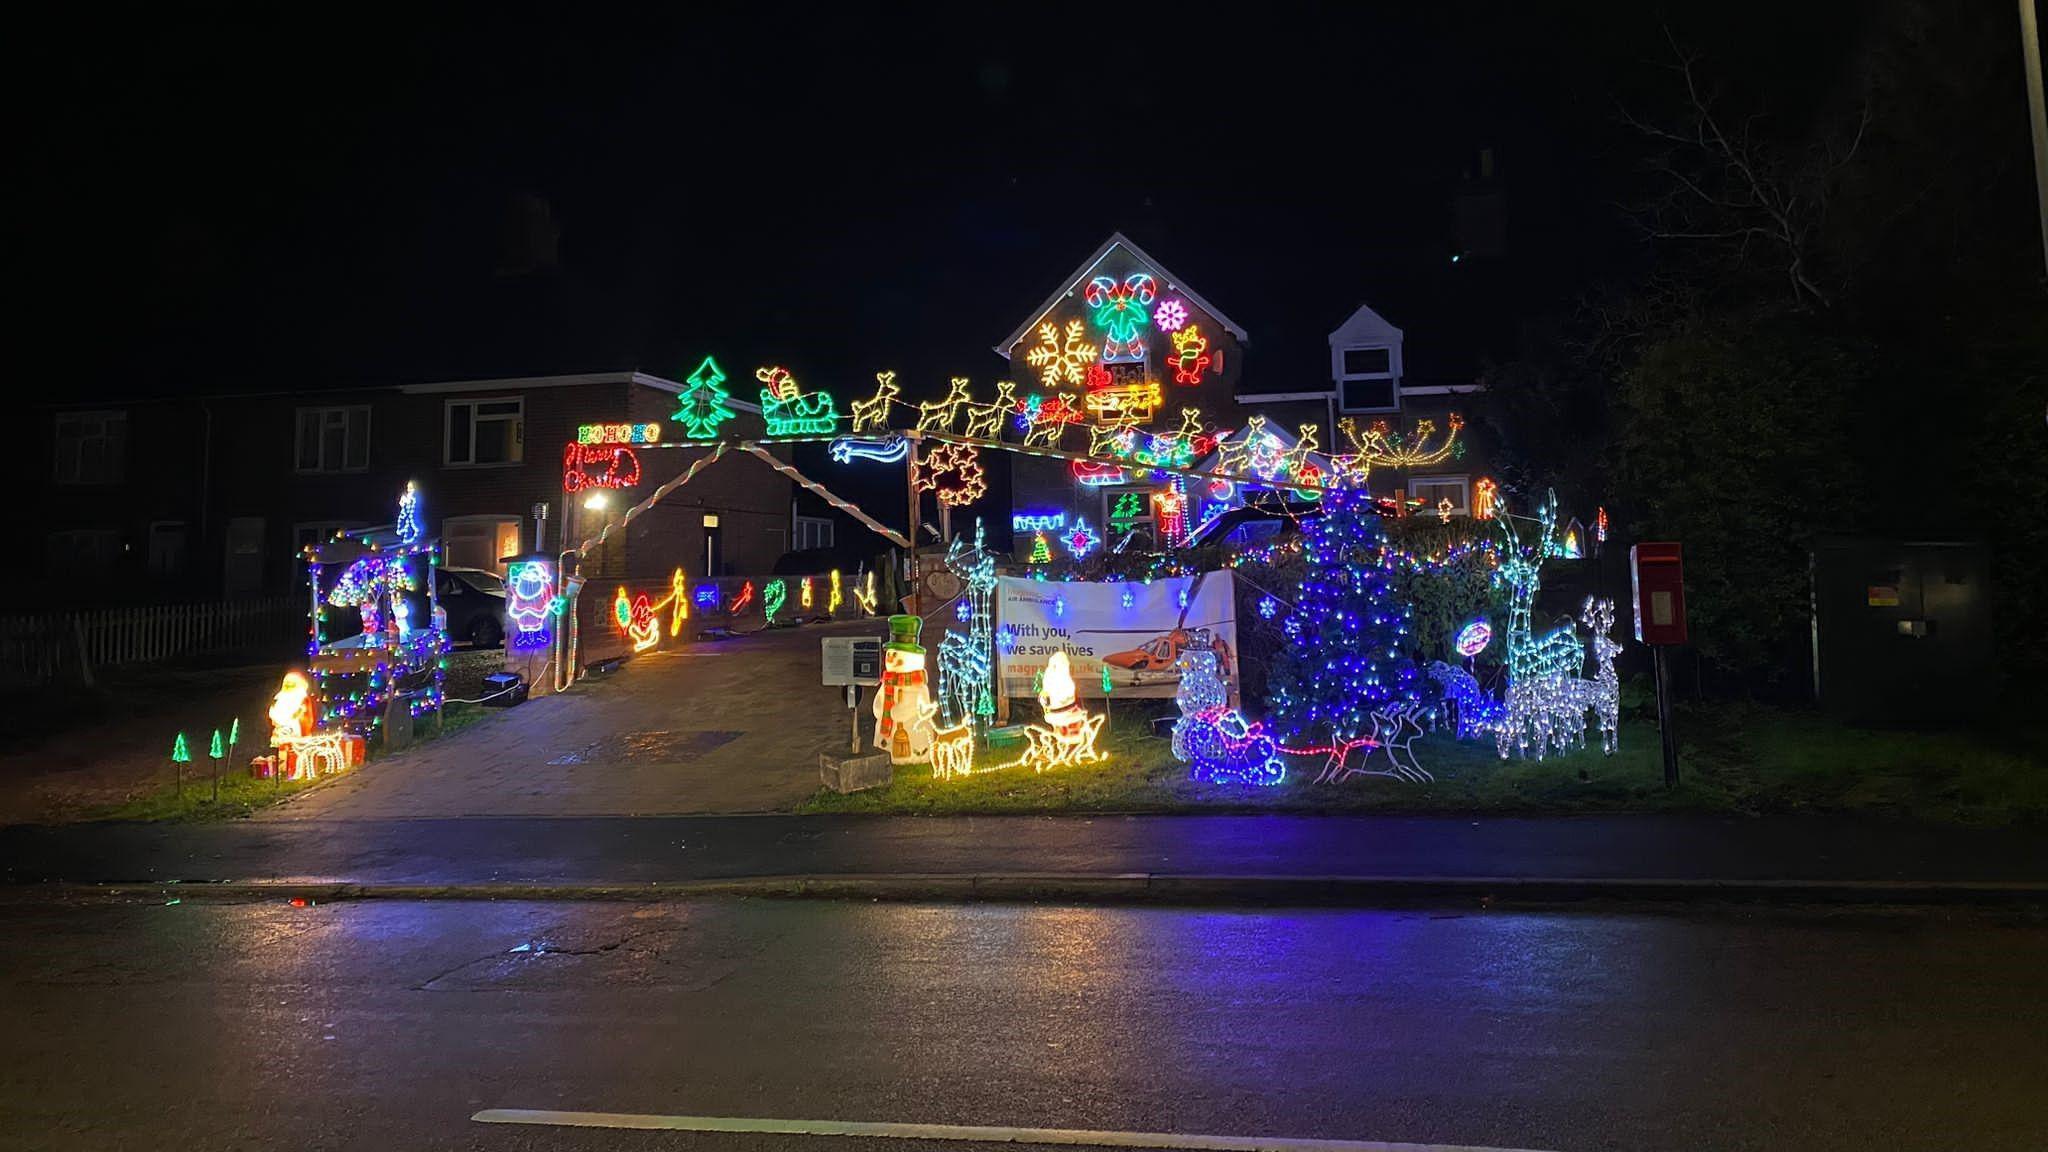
[(1170, 316), (1062, 357)]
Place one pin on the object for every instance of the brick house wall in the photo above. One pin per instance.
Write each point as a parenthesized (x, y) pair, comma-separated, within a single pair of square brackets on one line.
[(223, 471)]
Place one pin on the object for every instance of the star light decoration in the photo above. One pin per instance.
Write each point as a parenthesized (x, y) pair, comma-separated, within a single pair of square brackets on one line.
[(1080, 539), (960, 461), (1062, 356), (1485, 496), (702, 407)]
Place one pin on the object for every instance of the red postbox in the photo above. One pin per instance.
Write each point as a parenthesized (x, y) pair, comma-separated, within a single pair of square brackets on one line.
[(1656, 574)]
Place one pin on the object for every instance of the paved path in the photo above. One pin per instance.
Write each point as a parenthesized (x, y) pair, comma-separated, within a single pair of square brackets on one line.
[(731, 726), (387, 1025), (677, 849)]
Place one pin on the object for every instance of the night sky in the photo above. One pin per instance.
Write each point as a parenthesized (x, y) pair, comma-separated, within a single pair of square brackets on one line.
[(212, 205)]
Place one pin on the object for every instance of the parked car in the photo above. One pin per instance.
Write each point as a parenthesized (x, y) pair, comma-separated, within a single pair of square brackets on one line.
[(473, 601)]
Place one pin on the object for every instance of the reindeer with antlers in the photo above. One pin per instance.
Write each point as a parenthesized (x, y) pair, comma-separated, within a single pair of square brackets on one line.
[(872, 414), (985, 421), (937, 415), (1542, 708)]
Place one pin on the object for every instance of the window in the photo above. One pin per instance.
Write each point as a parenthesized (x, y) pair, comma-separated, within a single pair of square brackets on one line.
[(813, 532), (334, 439), (92, 447), (1433, 490), (485, 432), (167, 548), (1368, 379), (317, 532), (243, 568), (1135, 506), (84, 555), (480, 541)]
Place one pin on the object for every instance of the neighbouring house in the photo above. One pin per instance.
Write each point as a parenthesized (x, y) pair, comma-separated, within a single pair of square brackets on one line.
[(210, 497), (1127, 349)]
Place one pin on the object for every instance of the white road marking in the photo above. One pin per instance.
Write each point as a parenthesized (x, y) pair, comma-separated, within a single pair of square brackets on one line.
[(961, 1132)]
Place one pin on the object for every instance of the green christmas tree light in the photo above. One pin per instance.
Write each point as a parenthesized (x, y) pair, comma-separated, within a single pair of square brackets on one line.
[(180, 752), (216, 750), (1041, 550), (702, 407)]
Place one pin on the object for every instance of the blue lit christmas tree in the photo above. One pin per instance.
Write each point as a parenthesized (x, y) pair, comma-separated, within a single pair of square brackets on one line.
[(1346, 654)]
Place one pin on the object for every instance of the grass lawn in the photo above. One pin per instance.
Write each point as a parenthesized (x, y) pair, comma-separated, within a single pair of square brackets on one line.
[(1733, 758), (241, 793)]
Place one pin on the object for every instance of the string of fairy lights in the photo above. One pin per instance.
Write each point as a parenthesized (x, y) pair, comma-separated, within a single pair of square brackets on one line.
[(1342, 686)]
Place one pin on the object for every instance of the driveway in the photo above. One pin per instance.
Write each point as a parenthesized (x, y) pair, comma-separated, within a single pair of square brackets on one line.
[(731, 726)]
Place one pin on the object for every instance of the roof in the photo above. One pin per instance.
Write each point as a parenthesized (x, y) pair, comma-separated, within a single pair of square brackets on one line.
[(1365, 327), (524, 383), (499, 384), (1080, 276)]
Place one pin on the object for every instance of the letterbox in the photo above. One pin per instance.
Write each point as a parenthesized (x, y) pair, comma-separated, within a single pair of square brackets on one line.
[(1656, 574)]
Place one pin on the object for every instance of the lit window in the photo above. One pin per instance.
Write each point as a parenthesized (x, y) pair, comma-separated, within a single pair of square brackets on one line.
[(1432, 491), (334, 439), (485, 432), (92, 447), (1128, 512), (481, 542)]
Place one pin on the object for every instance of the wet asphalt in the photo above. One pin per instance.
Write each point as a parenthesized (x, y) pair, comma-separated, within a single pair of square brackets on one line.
[(605, 850), (386, 1025)]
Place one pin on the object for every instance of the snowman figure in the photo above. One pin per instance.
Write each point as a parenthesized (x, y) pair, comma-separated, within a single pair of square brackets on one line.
[(904, 708)]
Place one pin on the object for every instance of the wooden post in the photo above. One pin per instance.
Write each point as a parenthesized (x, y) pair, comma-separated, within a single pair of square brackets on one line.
[(910, 482)]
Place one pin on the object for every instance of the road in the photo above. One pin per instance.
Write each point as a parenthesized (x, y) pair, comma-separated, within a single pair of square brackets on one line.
[(385, 1024), (598, 850)]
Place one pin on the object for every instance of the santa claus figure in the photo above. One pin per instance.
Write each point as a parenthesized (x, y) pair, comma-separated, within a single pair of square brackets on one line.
[(291, 710), (904, 708)]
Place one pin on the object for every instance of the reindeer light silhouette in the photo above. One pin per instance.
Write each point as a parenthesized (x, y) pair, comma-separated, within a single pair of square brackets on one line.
[(985, 421), (1543, 708), (872, 414), (1602, 694), (937, 415)]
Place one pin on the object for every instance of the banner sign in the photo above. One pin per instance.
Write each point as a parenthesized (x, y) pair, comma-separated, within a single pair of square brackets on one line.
[(1135, 629)]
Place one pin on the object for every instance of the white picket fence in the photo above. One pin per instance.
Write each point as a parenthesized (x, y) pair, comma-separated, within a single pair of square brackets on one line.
[(35, 649)]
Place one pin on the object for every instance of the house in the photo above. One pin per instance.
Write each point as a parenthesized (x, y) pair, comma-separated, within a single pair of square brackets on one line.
[(205, 497), (1128, 349)]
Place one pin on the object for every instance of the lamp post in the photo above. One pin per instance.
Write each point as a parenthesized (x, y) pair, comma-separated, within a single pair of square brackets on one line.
[(2030, 50)]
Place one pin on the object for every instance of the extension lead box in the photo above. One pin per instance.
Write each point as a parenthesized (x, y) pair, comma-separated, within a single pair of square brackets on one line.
[(503, 690)]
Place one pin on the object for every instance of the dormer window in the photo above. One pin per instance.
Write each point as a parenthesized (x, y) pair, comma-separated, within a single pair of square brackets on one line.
[(1368, 378)]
